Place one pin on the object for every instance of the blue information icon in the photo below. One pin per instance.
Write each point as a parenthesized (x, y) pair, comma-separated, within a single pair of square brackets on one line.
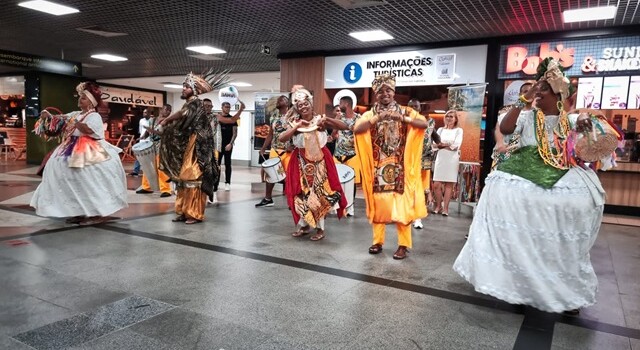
[(352, 72)]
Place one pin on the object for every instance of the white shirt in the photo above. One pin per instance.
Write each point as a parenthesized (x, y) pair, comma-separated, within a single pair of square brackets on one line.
[(144, 124)]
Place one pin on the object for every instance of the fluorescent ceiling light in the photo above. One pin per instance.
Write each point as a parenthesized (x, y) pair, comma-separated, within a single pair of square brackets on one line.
[(48, 7), (207, 50), (372, 35), (173, 86), (241, 84), (108, 57), (589, 14)]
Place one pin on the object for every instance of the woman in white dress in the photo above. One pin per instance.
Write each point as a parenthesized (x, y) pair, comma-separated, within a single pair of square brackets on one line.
[(445, 169), (540, 211), (83, 180)]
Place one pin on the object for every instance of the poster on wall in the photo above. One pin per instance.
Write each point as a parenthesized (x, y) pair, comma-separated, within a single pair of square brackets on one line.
[(265, 103), (634, 93), (589, 93), (614, 92), (445, 66), (468, 101)]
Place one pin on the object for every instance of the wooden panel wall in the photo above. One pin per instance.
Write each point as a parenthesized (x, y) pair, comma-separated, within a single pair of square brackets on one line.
[(308, 72), (622, 188)]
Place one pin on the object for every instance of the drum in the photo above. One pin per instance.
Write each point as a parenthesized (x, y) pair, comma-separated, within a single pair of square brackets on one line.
[(347, 176), (145, 152), (274, 170)]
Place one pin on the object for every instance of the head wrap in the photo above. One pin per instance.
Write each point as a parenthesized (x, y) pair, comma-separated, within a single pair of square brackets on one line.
[(92, 91), (382, 80), (551, 71), (208, 81), (301, 95)]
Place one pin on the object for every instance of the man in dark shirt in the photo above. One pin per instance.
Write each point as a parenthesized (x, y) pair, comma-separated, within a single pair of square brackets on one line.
[(228, 131)]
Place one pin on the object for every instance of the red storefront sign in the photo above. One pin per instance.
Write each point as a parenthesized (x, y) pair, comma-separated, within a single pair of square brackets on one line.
[(518, 58)]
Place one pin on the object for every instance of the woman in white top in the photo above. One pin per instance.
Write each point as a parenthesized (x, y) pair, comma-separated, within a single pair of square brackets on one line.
[(83, 180), (540, 210), (445, 169)]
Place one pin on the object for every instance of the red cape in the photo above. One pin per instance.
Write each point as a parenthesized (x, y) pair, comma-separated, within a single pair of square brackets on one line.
[(292, 181)]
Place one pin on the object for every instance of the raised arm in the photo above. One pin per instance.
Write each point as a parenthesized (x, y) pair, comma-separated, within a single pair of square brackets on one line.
[(235, 117)]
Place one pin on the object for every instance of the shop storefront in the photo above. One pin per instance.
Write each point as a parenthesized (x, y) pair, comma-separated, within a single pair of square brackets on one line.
[(124, 106), (606, 72)]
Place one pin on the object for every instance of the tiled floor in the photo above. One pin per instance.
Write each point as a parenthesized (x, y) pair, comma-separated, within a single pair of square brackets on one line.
[(240, 281)]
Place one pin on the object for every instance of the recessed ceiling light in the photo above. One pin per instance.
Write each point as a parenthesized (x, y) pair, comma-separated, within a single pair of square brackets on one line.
[(241, 84), (108, 57), (373, 35), (589, 14), (48, 7), (173, 86), (207, 50)]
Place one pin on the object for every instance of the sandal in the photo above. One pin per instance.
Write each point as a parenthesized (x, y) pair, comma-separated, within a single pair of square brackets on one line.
[(192, 221), (401, 253), (93, 220), (436, 211), (318, 236), (375, 249), (179, 218), (574, 312), (75, 220), (301, 231)]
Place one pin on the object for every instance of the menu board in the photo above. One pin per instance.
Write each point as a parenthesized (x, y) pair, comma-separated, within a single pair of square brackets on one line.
[(589, 93), (614, 92), (634, 93)]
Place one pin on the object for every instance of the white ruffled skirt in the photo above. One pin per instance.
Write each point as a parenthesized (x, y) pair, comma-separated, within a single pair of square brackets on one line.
[(95, 190), (528, 245)]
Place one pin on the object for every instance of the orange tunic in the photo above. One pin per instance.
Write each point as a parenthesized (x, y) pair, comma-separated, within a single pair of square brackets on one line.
[(392, 206)]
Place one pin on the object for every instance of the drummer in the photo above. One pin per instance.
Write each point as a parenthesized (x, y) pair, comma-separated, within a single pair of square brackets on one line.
[(345, 151), (153, 132), (278, 149)]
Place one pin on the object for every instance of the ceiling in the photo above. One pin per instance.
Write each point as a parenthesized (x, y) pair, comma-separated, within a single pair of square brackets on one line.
[(159, 30)]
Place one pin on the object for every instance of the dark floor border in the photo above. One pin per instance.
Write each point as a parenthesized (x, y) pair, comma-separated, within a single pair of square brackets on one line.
[(532, 323), (536, 330), (621, 210)]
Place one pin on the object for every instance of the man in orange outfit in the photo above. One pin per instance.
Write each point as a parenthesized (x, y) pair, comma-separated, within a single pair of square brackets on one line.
[(389, 141)]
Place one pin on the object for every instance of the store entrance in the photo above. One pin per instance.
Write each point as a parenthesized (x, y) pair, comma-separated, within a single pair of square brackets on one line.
[(12, 117)]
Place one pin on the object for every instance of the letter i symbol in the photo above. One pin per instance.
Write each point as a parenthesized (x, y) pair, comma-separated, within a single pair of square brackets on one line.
[(352, 72)]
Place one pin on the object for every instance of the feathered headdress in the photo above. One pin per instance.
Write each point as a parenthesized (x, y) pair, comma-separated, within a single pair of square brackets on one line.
[(552, 72), (384, 79), (208, 81)]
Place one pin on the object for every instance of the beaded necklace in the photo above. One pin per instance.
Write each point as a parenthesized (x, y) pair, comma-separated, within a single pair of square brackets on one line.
[(555, 156)]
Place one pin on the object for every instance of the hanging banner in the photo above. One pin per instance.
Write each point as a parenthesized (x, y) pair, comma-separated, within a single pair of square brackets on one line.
[(265, 104), (39, 63), (412, 68), (468, 101)]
